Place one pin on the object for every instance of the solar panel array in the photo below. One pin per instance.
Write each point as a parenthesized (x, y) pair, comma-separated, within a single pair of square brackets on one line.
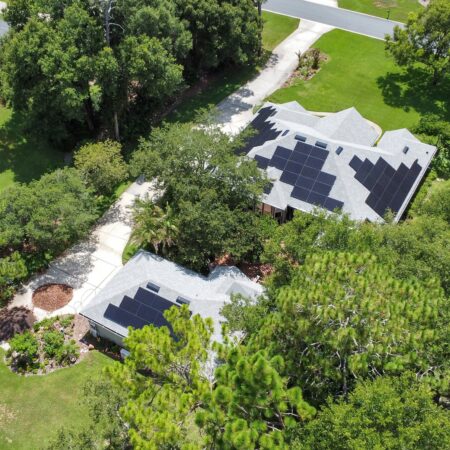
[(388, 187), (265, 130), (302, 169), (144, 309)]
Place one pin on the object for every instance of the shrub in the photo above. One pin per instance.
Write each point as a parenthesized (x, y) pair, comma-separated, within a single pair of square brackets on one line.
[(67, 353), (65, 322), (12, 271), (53, 342), (24, 350), (45, 324), (102, 166)]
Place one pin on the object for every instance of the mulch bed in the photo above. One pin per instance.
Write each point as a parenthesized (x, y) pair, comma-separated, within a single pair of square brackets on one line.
[(51, 297), (15, 320)]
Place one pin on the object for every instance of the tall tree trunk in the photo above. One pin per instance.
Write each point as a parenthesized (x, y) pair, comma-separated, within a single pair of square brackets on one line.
[(89, 114), (116, 126)]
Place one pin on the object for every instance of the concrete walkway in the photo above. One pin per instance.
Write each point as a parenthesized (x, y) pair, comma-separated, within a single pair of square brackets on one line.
[(236, 111), (90, 264)]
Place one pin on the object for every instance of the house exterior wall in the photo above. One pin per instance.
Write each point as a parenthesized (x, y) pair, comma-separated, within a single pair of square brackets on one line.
[(100, 331)]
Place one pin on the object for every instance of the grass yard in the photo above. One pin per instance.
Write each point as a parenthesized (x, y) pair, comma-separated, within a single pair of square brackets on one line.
[(399, 9), (22, 159), (33, 409), (358, 73), (276, 29)]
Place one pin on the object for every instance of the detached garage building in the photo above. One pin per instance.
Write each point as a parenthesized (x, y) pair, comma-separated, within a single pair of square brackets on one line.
[(148, 285)]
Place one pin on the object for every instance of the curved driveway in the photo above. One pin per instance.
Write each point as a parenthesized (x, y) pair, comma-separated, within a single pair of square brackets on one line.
[(337, 17)]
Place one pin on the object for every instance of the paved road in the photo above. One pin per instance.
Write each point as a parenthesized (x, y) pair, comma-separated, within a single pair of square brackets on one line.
[(336, 17)]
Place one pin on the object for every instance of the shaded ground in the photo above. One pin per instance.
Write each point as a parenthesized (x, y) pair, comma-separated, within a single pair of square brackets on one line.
[(23, 158), (360, 74), (217, 87), (392, 9), (51, 297), (33, 409), (15, 320)]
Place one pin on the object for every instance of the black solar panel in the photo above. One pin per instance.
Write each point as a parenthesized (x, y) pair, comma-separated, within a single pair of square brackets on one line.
[(306, 183), (331, 204), (278, 162), (147, 313), (123, 318), (295, 167), (299, 157), (262, 162), (321, 188), (130, 305), (320, 153), (314, 162), (153, 300), (326, 178), (355, 163), (303, 148), (289, 177), (146, 308), (309, 172), (282, 152), (316, 199), (300, 193), (388, 187)]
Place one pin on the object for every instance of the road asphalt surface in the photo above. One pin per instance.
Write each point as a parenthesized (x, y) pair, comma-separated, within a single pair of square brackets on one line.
[(344, 19)]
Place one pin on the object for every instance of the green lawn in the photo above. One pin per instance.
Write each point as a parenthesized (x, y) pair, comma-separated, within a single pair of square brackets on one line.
[(358, 73), (22, 159), (276, 29), (399, 9), (32, 409)]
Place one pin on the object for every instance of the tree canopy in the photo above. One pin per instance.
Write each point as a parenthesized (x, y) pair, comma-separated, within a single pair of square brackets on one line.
[(387, 413), (208, 192), (86, 65), (424, 40), (344, 317), (101, 164)]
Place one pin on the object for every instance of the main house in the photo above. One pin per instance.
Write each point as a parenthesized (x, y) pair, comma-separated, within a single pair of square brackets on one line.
[(332, 162), (148, 285)]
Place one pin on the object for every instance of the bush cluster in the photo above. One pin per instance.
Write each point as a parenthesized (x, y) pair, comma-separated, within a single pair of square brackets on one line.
[(48, 343)]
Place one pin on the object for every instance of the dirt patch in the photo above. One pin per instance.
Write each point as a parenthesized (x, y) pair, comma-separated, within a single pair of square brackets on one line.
[(15, 320), (51, 297)]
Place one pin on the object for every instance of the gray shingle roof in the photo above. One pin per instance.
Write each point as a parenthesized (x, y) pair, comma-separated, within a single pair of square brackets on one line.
[(349, 130), (207, 295)]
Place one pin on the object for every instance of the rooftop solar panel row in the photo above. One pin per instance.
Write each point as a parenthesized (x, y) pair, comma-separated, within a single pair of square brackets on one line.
[(388, 187), (146, 308)]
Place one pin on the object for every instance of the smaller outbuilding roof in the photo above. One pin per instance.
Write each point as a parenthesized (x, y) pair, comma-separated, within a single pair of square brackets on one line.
[(149, 281)]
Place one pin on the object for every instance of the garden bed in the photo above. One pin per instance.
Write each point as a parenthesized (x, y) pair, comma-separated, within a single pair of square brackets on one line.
[(51, 344), (51, 297)]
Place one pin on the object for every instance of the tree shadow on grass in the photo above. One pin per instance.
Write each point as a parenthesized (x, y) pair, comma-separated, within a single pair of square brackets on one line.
[(23, 152), (412, 89)]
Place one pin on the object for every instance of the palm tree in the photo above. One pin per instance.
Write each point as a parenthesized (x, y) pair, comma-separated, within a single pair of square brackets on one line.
[(153, 226)]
